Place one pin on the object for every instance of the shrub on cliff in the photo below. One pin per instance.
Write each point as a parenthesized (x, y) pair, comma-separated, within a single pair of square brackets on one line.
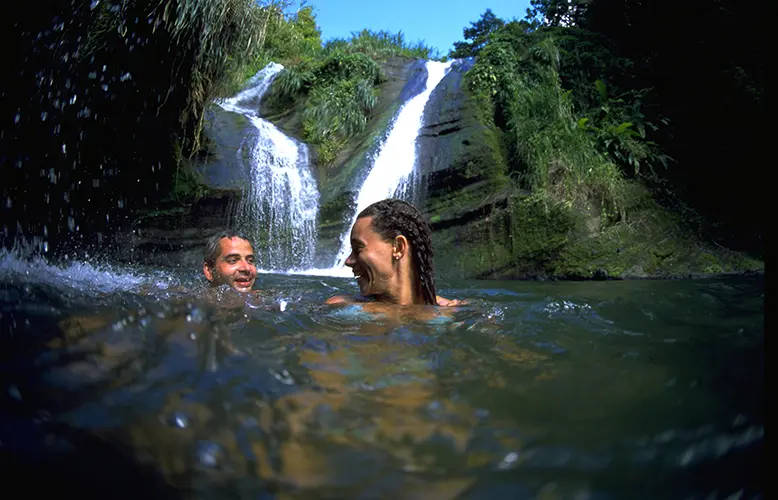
[(335, 90), (516, 75)]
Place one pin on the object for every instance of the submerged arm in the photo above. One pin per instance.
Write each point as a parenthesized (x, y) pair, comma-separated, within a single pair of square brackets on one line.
[(339, 299), (444, 302)]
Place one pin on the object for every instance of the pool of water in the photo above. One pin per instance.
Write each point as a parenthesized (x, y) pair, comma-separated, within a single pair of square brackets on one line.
[(127, 382)]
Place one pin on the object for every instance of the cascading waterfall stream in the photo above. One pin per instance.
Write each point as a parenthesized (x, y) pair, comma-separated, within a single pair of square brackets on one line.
[(281, 205), (395, 161)]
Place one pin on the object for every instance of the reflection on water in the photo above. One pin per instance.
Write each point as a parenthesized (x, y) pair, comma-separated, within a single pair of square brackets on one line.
[(646, 389)]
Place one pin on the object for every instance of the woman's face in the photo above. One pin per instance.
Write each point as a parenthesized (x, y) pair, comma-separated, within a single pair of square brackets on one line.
[(372, 260)]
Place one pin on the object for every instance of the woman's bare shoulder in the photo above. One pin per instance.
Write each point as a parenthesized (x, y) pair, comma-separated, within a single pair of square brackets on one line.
[(444, 302), (339, 299)]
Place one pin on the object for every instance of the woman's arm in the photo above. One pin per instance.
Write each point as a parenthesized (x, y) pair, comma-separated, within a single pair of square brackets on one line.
[(339, 299), (449, 303)]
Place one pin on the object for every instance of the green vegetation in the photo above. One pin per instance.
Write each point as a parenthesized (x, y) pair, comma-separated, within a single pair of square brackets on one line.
[(206, 33), (338, 96), (122, 85), (590, 142), (554, 147), (694, 91), (334, 85), (381, 45)]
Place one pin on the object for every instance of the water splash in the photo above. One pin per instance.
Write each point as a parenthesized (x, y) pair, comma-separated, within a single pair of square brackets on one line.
[(84, 277), (281, 205), (395, 160)]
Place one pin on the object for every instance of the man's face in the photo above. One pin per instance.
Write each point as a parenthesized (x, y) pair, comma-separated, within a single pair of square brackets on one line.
[(234, 266)]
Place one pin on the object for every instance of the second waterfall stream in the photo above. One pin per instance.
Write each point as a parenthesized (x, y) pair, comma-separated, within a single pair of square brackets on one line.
[(395, 161)]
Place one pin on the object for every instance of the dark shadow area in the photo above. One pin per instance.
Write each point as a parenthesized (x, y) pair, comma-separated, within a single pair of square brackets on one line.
[(71, 462)]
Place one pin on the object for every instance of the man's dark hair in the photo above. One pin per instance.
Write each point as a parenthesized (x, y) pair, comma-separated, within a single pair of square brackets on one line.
[(391, 218), (212, 247)]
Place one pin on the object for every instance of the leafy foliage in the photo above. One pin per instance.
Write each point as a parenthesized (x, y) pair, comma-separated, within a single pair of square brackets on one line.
[(381, 45), (517, 72), (338, 96), (121, 85), (336, 87), (337, 111), (708, 74), (692, 94), (477, 35)]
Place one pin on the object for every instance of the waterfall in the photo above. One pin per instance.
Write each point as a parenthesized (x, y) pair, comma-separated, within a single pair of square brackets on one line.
[(394, 162), (280, 207)]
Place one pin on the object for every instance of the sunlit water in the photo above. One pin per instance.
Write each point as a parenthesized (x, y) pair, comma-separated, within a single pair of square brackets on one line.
[(642, 389)]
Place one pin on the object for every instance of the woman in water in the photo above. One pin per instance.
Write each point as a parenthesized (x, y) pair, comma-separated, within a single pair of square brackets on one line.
[(391, 257)]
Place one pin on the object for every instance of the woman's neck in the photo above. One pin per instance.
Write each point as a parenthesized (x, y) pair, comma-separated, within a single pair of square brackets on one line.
[(407, 290)]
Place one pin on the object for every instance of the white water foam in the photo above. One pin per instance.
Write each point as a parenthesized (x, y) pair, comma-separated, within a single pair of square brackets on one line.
[(78, 275)]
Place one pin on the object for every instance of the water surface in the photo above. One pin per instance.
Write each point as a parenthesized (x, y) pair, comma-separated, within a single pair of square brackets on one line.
[(600, 390)]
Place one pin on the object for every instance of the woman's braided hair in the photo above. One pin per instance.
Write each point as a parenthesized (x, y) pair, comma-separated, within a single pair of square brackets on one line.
[(392, 218)]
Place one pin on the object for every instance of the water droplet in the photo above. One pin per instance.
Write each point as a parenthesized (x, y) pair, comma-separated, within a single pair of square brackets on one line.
[(71, 223), (208, 453), (44, 115), (283, 376), (94, 4), (508, 461), (73, 99), (64, 149), (8, 202), (17, 118), (13, 391), (195, 316), (179, 419), (126, 76)]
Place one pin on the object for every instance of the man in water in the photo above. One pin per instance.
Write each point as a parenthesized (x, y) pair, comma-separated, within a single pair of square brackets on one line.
[(229, 259)]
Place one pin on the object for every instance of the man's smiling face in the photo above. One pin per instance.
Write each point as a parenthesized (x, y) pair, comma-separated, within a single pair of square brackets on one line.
[(235, 265)]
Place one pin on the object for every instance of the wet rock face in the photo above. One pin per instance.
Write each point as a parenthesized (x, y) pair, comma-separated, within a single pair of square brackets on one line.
[(223, 165), (455, 149), (446, 123), (176, 237)]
